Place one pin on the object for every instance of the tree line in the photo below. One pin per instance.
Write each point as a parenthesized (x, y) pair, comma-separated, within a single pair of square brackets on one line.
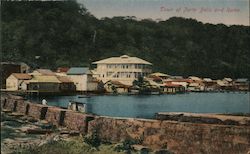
[(65, 33)]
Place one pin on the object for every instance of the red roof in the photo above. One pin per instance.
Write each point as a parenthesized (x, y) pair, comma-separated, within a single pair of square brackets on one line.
[(62, 69), (22, 76), (182, 80), (64, 79), (172, 85)]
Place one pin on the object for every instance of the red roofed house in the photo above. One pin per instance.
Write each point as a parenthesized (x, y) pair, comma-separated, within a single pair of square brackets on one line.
[(182, 82), (173, 88), (13, 82)]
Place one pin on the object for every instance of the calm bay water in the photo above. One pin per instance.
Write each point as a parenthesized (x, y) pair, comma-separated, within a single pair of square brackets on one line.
[(147, 105)]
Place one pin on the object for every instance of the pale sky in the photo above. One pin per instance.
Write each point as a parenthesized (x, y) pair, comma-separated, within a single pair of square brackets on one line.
[(229, 12)]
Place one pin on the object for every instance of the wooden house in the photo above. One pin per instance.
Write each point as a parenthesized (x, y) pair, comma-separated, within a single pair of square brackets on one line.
[(241, 84), (196, 87), (83, 79), (13, 82), (210, 85), (43, 83), (116, 87), (66, 84), (182, 82), (224, 85), (173, 88)]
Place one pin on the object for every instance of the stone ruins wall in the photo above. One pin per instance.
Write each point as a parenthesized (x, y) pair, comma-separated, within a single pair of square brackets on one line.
[(60, 117), (179, 137)]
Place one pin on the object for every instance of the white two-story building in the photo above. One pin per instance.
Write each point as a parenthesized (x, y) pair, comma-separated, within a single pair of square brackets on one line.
[(124, 69)]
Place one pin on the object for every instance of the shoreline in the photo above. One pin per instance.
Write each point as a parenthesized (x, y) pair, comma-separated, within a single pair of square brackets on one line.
[(26, 93)]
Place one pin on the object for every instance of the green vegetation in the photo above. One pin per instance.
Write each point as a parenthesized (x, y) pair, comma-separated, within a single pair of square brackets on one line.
[(144, 86), (66, 147), (126, 145), (93, 139), (66, 34)]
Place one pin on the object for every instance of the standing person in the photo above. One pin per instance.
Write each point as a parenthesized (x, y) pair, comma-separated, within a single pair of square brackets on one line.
[(44, 102)]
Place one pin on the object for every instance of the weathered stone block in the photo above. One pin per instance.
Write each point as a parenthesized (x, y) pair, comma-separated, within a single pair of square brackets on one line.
[(75, 121), (3, 102), (178, 137), (21, 106), (53, 115), (37, 111), (9, 104)]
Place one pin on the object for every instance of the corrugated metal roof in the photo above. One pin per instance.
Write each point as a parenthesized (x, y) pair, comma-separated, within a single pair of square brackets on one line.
[(122, 60), (160, 74), (45, 78), (78, 71), (44, 71), (22, 76)]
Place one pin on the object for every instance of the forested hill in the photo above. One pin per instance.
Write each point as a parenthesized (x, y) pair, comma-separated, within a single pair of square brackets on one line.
[(66, 34)]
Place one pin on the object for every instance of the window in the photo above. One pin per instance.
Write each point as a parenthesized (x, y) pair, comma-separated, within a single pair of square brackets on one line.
[(109, 66), (130, 74), (136, 74), (109, 74)]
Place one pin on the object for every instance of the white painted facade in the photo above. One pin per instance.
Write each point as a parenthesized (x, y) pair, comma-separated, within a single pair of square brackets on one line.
[(84, 82), (124, 69), (24, 85), (12, 83)]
